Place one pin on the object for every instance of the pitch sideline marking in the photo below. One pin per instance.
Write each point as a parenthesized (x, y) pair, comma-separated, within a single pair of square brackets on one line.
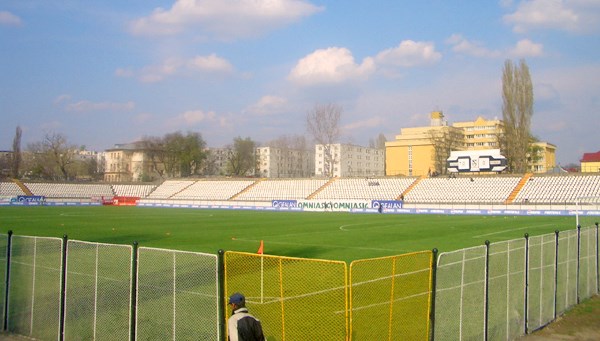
[(510, 230)]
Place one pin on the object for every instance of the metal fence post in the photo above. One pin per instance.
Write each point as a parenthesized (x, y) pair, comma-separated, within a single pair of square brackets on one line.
[(63, 288), (555, 271), (433, 286), (578, 259), (221, 292), (134, 280), (597, 262), (526, 283), (7, 280), (486, 290)]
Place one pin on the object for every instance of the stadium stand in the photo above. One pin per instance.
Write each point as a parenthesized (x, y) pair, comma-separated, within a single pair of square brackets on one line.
[(560, 188), (286, 189), (212, 189), (463, 190), (365, 188), (10, 189), (64, 190), (510, 189), (141, 191), (169, 188)]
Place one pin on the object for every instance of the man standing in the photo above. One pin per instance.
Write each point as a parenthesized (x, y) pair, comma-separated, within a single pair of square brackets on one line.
[(241, 325)]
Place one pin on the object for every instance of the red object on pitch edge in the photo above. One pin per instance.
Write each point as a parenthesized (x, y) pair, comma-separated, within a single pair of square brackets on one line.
[(260, 248)]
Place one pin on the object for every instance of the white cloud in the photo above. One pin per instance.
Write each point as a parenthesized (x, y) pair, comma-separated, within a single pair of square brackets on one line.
[(197, 116), (9, 19), (210, 120), (223, 18), (156, 73), (523, 48), (267, 105), (461, 45), (330, 66), (211, 63), (87, 106), (408, 54), (574, 16), (368, 123), (527, 48), (125, 73)]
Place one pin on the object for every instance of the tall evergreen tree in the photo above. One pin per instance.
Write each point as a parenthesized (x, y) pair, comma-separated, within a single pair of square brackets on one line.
[(517, 110), (16, 154)]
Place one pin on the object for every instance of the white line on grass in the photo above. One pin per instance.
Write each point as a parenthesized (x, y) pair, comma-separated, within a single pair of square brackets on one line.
[(511, 230), (322, 245), (345, 227)]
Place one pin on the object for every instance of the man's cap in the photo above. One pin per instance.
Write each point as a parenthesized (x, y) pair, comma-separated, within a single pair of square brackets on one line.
[(237, 298)]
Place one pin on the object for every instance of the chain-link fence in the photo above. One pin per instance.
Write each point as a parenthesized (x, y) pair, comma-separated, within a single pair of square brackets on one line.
[(57, 289), (506, 300), (295, 298), (541, 284), (588, 262), (98, 291), (566, 281), (460, 294), (176, 295), (35, 287), (390, 297)]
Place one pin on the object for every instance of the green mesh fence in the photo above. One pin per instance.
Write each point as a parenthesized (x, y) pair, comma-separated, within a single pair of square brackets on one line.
[(460, 295), (506, 290), (98, 291), (542, 271), (176, 295), (566, 286), (35, 287), (588, 266)]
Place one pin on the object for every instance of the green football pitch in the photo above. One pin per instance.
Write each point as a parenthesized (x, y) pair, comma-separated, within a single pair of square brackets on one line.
[(323, 235)]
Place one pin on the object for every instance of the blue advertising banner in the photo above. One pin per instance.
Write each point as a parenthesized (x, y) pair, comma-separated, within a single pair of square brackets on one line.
[(284, 203), (386, 204), (29, 199)]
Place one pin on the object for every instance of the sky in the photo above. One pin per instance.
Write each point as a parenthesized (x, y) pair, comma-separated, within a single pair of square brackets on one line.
[(103, 72)]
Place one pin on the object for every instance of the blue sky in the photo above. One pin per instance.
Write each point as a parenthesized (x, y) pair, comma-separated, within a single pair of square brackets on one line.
[(103, 72)]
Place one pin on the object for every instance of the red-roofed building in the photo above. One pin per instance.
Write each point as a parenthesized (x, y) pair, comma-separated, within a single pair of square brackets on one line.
[(590, 163)]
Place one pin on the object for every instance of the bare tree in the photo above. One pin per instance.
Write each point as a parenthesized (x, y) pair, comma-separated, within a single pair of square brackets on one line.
[(444, 141), (241, 157), (54, 157), (175, 153), (16, 159), (517, 110), (378, 142), (323, 123)]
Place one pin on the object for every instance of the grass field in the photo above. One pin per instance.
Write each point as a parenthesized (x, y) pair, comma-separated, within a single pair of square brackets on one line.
[(324, 235)]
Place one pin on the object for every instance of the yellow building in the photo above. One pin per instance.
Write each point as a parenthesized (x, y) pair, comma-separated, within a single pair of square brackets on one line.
[(413, 152), (481, 133), (546, 158), (590, 163)]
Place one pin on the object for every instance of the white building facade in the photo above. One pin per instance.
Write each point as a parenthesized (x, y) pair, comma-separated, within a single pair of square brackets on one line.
[(349, 161), (284, 163), (128, 162)]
